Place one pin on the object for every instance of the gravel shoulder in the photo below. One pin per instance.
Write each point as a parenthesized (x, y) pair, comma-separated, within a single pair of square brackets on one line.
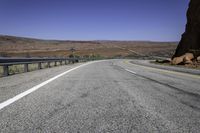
[(166, 67)]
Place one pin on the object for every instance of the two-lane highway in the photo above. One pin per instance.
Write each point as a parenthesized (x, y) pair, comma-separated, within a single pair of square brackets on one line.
[(102, 96)]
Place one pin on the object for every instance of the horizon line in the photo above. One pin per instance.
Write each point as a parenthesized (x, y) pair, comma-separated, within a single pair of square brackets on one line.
[(53, 39)]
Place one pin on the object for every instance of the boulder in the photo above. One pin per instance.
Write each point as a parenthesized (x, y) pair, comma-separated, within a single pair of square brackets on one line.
[(185, 59), (198, 58), (188, 58), (177, 60)]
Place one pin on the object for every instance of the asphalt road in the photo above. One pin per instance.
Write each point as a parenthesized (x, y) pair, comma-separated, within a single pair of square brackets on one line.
[(105, 96)]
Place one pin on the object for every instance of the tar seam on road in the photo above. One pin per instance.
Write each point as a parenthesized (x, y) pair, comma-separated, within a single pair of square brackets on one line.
[(191, 94), (23, 94)]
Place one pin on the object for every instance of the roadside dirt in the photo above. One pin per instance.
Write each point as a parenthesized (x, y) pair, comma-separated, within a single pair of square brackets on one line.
[(194, 65)]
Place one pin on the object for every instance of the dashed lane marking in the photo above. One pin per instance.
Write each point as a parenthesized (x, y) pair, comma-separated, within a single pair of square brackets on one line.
[(130, 71)]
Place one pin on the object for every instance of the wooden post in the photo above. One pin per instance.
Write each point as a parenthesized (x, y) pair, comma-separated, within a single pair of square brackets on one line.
[(55, 64), (5, 70), (25, 67), (65, 62), (61, 63), (39, 65)]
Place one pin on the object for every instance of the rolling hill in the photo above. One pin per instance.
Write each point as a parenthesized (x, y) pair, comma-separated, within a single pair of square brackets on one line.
[(11, 46)]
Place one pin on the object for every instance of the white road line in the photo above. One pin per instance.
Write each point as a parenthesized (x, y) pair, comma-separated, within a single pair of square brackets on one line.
[(23, 94), (130, 71)]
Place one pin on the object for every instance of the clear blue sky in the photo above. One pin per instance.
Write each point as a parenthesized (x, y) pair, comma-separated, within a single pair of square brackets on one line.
[(156, 20)]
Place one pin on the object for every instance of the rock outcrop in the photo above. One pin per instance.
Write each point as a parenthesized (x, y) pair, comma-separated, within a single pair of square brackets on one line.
[(190, 42), (185, 59)]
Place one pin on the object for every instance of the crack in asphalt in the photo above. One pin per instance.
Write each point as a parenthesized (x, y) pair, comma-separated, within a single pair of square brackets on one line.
[(190, 94)]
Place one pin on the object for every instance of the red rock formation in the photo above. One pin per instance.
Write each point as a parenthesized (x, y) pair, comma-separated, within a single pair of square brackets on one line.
[(190, 42)]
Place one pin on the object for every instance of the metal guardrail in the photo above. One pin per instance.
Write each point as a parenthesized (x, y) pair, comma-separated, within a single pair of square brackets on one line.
[(6, 62)]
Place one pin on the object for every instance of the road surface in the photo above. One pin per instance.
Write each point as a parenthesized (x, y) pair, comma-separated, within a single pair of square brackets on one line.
[(103, 96)]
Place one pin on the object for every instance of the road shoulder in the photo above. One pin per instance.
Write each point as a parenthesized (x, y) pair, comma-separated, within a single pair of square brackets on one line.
[(148, 63)]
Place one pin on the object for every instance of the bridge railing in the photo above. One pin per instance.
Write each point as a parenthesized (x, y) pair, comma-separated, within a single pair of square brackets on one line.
[(7, 62)]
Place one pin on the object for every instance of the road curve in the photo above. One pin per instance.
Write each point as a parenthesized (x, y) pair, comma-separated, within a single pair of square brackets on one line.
[(104, 96)]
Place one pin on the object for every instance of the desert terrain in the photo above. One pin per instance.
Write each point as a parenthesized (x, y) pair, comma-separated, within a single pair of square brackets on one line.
[(11, 46)]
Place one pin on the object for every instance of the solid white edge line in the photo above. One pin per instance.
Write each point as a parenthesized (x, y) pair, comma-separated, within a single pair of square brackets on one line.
[(130, 71), (23, 94)]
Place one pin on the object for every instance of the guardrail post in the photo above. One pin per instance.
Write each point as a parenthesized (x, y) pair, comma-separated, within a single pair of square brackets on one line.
[(65, 62), (55, 63), (48, 64), (5, 70), (39, 65), (61, 63), (25, 67)]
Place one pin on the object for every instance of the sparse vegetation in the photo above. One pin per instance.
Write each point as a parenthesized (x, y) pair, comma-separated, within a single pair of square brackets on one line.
[(3, 54), (15, 69), (1, 70), (25, 47)]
